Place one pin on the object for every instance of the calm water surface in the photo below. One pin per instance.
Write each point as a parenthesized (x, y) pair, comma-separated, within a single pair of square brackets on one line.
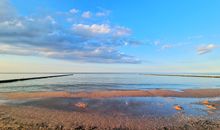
[(93, 81)]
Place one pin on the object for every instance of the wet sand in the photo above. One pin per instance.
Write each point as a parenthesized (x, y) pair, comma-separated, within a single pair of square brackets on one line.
[(38, 117), (196, 93)]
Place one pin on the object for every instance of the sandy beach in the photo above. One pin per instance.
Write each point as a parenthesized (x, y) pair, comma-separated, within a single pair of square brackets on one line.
[(44, 119), (101, 111)]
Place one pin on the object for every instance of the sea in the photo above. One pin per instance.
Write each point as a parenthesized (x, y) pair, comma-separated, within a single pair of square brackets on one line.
[(104, 81), (129, 106)]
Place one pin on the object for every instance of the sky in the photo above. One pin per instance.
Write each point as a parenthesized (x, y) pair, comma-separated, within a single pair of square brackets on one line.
[(109, 36)]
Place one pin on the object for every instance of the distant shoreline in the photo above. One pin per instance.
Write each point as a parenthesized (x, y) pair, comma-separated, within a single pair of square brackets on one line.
[(185, 75), (203, 75)]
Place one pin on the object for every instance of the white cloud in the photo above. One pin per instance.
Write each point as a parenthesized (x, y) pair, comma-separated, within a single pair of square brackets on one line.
[(122, 31), (74, 11), (206, 49), (161, 45), (12, 24), (87, 14), (45, 36), (101, 29), (97, 55), (92, 29)]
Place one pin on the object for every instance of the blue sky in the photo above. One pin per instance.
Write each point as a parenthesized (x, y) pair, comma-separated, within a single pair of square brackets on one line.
[(110, 36)]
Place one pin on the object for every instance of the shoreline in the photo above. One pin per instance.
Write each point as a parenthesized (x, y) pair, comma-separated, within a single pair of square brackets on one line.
[(191, 93)]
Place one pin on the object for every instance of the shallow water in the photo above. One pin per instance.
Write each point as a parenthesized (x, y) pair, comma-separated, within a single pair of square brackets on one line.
[(126, 106), (97, 81)]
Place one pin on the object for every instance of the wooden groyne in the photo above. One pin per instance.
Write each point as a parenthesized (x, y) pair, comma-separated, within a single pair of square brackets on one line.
[(33, 78)]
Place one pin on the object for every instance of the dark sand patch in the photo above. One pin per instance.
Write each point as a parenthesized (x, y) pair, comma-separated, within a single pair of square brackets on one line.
[(196, 93)]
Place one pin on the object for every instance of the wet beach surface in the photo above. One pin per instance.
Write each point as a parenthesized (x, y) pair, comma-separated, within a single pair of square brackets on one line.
[(121, 113), (127, 106)]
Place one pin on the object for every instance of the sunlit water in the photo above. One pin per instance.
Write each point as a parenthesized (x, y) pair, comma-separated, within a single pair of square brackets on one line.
[(90, 82)]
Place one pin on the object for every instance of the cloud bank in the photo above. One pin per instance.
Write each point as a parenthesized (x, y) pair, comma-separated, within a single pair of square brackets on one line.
[(48, 36)]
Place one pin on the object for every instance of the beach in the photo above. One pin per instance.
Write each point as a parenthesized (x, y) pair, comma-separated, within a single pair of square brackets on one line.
[(44, 119), (111, 102), (58, 110)]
